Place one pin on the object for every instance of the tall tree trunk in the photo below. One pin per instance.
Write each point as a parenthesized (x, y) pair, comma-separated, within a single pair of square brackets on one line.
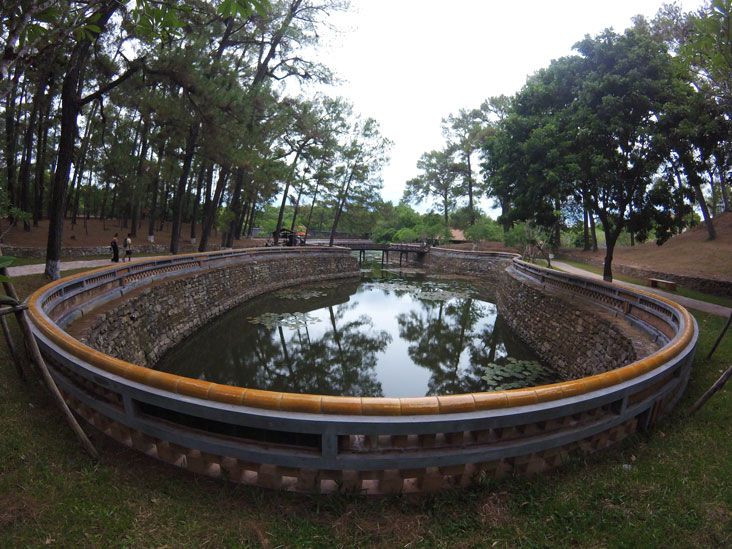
[(73, 81), (705, 211), (196, 204), (79, 167), (164, 205), (593, 231), (287, 189), (24, 175), (471, 210), (586, 229), (342, 197), (252, 215), (505, 210), (722, 188), (41, 146), (103, 209), (155, 185), (129, 187), (113, 209), (241, 222), (11, 141), (235, 225), (312, 207), (297, 207), (178, 208), (611, 237), (209, 215), (144, 145)]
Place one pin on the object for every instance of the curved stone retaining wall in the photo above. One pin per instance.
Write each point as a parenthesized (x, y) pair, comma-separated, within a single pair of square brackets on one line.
[(576, 339), (141, 325), (375, 445), (484, 264)]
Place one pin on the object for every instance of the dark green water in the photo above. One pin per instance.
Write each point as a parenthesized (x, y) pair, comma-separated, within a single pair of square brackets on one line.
[(389, 334)]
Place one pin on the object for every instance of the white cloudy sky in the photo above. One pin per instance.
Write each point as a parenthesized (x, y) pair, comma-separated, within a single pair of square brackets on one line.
[(409, 63)]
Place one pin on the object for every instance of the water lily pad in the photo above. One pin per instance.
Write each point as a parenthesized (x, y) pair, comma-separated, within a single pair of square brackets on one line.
[(515, 374), (284, 320), (300, 293)]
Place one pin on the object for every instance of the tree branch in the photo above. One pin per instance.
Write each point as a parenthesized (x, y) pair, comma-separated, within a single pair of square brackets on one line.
[(134, 67)]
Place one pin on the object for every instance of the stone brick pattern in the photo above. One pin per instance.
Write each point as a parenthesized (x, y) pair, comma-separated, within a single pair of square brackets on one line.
[(484, 264), (577, 340), (142, 325)]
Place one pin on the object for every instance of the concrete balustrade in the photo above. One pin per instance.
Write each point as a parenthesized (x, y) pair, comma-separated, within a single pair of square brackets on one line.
[(328, 443)]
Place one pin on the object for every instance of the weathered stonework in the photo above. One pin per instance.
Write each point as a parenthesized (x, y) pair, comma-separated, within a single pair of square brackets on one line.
[(142, 325), (483, 264), (577, 339), (320, 443)]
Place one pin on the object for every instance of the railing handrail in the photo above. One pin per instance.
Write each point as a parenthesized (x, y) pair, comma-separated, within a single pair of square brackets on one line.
[(48, 297)]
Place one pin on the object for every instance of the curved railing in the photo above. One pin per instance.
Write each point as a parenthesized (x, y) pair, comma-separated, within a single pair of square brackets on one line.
[(156, 411)]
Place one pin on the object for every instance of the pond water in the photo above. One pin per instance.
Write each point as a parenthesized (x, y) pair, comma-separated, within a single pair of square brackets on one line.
[(391, 334)]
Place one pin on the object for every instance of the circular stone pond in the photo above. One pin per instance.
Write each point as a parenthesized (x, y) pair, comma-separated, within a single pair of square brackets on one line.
[(100, 333), (390, 333)]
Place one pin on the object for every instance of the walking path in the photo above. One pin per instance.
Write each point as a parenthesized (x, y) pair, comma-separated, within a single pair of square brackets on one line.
[(38, 268), (681, 300), (687, 302)]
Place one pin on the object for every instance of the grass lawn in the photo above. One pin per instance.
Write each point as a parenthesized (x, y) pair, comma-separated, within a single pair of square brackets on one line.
[(670, 487), (680, 290), (22, 261)]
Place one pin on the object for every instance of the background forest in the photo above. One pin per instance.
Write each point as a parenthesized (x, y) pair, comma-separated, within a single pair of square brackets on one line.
[(206, 113)]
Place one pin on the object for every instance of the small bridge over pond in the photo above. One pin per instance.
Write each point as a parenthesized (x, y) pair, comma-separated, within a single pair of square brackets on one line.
[(363, 246)]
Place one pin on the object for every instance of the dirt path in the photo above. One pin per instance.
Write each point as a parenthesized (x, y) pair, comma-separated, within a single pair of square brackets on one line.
[(681, 300), (38, 268)]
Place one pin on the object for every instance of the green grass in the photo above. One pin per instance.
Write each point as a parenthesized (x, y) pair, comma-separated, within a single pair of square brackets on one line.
[(23, 261), (669, 487), (680, 290)]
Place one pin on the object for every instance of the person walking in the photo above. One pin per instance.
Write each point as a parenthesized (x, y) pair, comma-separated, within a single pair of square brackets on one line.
[(115, 249), (128, 247)]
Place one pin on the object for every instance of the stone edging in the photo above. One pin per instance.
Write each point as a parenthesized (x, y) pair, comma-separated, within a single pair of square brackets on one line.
[(321, 404)]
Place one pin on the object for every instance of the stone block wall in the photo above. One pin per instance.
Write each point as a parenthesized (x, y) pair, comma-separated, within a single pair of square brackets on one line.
[(576, 339), (142, 325), (484, 264)]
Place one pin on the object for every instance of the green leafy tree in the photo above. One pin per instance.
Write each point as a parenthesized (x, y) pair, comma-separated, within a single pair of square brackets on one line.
[(485, 229), (362, 155), (465, 133), (437, 181)]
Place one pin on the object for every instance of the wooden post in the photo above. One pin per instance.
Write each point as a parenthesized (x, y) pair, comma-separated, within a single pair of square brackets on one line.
[(17, 358), (36, 357), (713, 389), (724, 330)]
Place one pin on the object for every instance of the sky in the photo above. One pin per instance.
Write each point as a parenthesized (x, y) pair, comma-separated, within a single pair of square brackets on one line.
[(410, 63)]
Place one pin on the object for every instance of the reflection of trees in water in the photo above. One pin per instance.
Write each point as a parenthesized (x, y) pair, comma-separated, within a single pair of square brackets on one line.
[(340, 362), (444, 331)]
